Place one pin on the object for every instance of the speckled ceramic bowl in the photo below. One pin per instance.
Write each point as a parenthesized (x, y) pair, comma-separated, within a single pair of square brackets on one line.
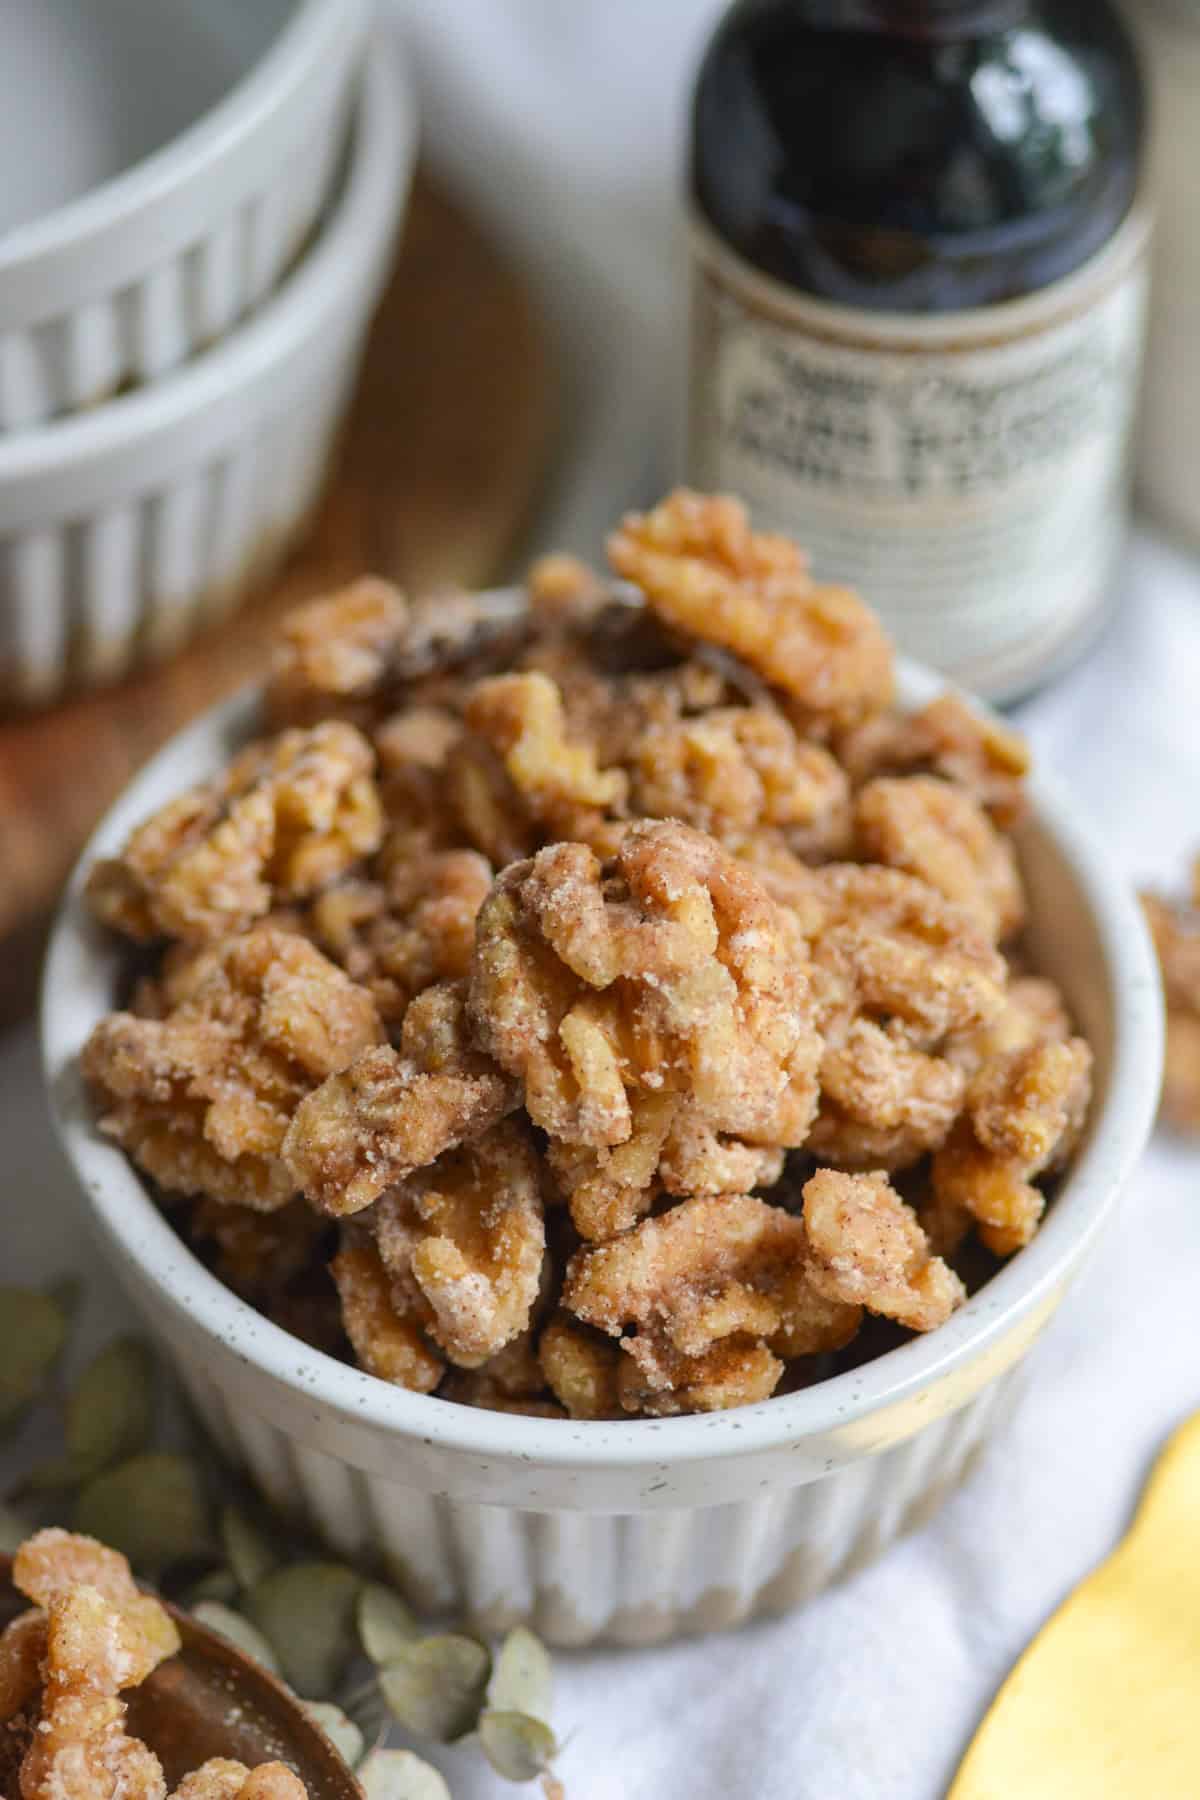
[(643, 1529)]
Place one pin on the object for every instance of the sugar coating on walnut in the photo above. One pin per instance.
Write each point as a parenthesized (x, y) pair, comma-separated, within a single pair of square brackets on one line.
[(670, 973), (741, 773), (1023, 1118), (868, 1249), (946, 737), (334, 651), (400, 935), (463, 1241), (390, 1112), (884, 1105), (287, 817), (932, 829), (704, 572), (387, 1337), (221, 1778), (102, 1635), (708, 1270), (350, 654), (581, 1368), (887, 946), (510, 1380), (202, 1098)]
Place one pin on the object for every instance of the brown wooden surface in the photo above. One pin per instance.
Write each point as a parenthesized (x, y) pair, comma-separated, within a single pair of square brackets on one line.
[(442, 459)]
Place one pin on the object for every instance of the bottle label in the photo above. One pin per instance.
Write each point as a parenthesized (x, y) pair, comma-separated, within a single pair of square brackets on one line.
[(967, 472)]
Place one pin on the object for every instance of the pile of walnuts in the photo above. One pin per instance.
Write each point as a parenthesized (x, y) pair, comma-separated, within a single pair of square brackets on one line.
[(595, 1007)]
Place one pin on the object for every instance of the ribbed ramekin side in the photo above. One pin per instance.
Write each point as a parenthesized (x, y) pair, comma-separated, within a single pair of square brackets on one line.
[(632, 1579)]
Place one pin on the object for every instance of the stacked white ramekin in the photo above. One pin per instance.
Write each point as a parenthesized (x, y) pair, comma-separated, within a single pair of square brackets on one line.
[(177, 343)]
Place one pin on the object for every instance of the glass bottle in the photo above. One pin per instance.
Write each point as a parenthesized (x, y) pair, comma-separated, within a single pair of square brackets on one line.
[(919, 255), (1169, 446)]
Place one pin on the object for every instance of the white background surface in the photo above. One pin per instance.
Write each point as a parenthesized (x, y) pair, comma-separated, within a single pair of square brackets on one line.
[(873, 1692)]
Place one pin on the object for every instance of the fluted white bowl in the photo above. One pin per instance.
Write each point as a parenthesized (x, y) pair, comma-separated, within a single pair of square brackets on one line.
[(634, 1530), (124, 530), (182, 158)]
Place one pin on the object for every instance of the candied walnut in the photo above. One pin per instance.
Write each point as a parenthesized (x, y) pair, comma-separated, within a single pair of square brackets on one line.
[(288, 816), (884, 1105), (932, 829), (698, 1160), (512, 1375), (610, 1187), (672, 973), (735, 1372), (1176, 933), (729, 1267), (400, 936), (81, 1751), (220, 1778), (868, 1250), (1181, 1075), (581, 1368), (22, 1652), (102, 1634), (420, 737), (520, 777), (564, 591), (333, 653), (1023, 1119), (892, 948), (740, 772), (468, 1235), (273, 1781), (202, 1098), (387, 1340), (348, 654), (1034, 1012), (52, 1568), (257, 1253), (947, 738), (392, 1112), (705, 573)]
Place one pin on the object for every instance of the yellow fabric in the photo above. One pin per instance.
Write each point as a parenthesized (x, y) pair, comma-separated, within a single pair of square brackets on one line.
[(1105, 1703)]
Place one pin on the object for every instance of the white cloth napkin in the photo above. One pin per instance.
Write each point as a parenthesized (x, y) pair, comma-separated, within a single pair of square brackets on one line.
[(562, 122)]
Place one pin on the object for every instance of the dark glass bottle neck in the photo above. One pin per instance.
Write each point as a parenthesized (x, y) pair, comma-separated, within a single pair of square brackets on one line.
[(929, 19)]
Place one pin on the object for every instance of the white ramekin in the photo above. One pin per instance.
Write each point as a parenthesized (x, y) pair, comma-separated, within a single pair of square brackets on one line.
[(127, 282), (126, 529), (644, 1529)]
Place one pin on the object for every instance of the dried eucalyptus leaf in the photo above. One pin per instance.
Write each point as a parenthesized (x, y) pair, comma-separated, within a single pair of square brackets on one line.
[(110, 1413), (33, 1330), (367, 1708), (342, 1732), (238, 1630), (436, 1686), (399, 1775), (522, 1681), (249, 1551), (306, 1611), (151, 1508), (385, 1623), (219, 1584), (517, 1746), (13, 1529)]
